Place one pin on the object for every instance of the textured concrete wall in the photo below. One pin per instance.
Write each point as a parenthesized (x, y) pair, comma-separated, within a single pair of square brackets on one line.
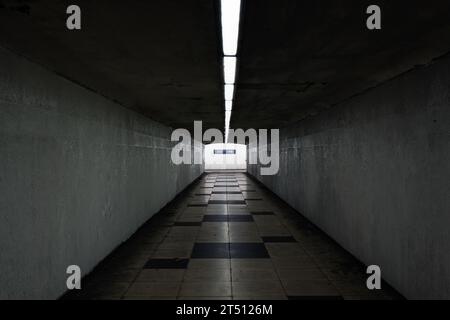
[(78, 175), (374, 173)]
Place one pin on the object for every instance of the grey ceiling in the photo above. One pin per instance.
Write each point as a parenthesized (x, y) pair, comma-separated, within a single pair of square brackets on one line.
[(158, 57), (162, 57), (299, 57)]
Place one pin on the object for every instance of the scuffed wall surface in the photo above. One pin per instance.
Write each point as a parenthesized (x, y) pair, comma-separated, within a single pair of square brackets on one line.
[(374, 173), (78, 175)]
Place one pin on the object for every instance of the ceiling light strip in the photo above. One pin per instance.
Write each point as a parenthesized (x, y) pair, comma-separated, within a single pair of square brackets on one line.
[(230, 15)]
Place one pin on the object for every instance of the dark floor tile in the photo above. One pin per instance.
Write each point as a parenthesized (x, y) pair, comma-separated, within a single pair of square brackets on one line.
[(215, 218), (227, 202), (187, 224), (262, 213), (203, 193), (197, 205), (227, 218), (237, 207), (278, 239), (211, 250), (227, 192), (240, 218), (167, 264), (248, 250)]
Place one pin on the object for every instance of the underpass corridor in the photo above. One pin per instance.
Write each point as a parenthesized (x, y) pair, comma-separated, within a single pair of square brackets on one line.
[(224, 149)]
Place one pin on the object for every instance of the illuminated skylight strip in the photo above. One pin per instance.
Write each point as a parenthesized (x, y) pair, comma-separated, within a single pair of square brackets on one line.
[(230, 11), (230, 15), (229, 69), (227, 117), (229, 91), (227, 124)]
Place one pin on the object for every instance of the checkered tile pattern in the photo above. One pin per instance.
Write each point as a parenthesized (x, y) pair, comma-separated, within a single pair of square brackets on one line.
[(229, 238)]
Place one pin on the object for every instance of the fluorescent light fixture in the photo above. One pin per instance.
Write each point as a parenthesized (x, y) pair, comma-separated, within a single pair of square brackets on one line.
[(227, 116), (227, 125), (229, 90), (230, 11), (226, 134), (228, 105), (227, 120), (229, 69)]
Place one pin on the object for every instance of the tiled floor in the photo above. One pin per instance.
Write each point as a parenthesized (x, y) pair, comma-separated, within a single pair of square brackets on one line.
[(229, 238)]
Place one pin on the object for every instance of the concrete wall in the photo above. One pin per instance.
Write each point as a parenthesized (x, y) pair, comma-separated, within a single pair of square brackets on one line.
[(78, 175), (374, 173)]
